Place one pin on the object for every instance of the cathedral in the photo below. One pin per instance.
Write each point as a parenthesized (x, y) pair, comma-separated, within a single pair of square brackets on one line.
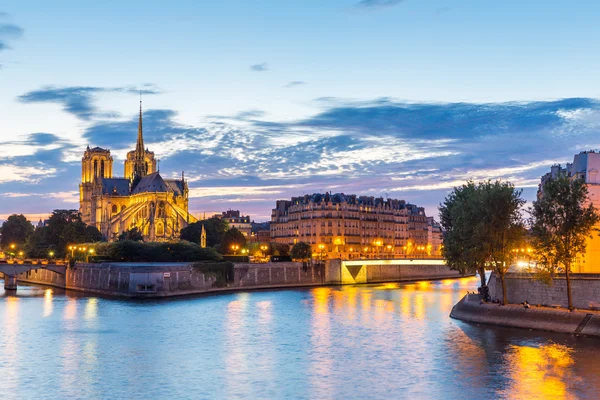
[(158, 207)]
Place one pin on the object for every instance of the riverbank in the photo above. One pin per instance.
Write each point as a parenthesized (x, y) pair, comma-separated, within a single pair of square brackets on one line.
[(153, 280), (580, 322)]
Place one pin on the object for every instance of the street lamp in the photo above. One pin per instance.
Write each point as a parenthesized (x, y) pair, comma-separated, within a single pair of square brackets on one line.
[(321, 248), (235, 248)]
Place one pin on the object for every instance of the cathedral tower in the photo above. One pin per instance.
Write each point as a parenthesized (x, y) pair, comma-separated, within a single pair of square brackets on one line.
[(96, 164)]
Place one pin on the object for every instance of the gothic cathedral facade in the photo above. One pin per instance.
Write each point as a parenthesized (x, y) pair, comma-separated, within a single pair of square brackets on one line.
[(142, 198)]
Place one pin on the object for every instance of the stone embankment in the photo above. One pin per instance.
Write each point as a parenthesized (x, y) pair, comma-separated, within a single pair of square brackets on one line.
[(176, 279), (582, 322)]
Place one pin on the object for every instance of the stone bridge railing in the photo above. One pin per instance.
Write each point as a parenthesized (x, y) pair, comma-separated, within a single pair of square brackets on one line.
[(11, 271)]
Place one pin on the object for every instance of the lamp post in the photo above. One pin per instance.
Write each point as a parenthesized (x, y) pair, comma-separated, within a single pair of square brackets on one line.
[(264, 248), (321, 248), (235, 248)]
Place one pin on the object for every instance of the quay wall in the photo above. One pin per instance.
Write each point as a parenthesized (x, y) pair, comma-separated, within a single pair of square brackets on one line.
[(585, 289), (164, 279), (175, 279), (580, 322)]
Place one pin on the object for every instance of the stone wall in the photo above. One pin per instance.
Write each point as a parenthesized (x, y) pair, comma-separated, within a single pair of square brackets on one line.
[(585, 288), (161, 280)]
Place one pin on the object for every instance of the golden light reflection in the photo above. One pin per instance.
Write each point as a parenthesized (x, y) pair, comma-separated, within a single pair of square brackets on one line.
[(539, 372), (10, 339), (320, 340), (236, 361), (91, 308), (70, 311), (264, 313), (48, 302)]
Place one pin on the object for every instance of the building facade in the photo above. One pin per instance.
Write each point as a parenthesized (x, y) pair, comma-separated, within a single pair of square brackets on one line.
[(350, 226), (585, 166), (236, 220), (158, 207)]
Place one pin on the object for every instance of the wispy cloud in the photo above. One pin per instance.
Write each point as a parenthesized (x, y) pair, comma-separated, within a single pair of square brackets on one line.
[(378, 3), (410, 150), (8, 33), (260, 67), (77, 100), (294, 84)]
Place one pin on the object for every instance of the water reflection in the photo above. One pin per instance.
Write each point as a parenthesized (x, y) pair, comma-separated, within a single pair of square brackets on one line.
[(47, 303), (543, 371), (353, 342)]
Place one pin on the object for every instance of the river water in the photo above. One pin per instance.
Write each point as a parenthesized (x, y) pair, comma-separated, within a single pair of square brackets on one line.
[(352, 342)]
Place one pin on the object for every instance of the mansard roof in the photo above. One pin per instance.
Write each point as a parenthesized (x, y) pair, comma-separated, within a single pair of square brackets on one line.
[(115, 186)]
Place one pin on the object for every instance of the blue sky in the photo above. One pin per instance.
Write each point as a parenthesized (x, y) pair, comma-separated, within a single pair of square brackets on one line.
[(260, 100)]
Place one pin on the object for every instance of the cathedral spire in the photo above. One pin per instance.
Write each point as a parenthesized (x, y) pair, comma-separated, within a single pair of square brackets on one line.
[(139, 147), (140, 168)]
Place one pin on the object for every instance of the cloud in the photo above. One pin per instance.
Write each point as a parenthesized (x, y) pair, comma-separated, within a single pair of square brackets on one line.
[(294, 84), (259, 67), (10, 173), (77, 100), (8, 33), (410, 150), (378, 3)]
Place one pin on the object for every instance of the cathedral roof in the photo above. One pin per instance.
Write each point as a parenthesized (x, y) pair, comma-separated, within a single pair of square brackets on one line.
[(176, 186), (151, 183), (115, 186)]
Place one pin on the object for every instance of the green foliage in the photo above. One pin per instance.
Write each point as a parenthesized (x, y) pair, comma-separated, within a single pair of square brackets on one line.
[(131, 251), (16, 229), (279, 249), (232, 237), (562, 218), (483, 226), (64, 228), (224, 272), (301, 251), (132, 234), (215, 231), (460, 214)]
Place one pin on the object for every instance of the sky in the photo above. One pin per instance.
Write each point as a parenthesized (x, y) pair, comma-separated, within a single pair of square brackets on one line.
[(264, 100)]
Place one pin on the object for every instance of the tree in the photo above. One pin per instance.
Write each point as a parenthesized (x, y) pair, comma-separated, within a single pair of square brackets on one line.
[(232, 237), (132, 234), (483, 226), (460, 214), (501, 227), (65, 227), (15, 230), (301, 251), (215, 231), (562, 218), (279, 249)]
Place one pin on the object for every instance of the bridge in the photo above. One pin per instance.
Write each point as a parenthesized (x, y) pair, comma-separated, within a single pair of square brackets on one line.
[(11, 271)]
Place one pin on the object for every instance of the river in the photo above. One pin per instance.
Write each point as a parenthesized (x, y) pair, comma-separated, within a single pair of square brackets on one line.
[(352, 342)]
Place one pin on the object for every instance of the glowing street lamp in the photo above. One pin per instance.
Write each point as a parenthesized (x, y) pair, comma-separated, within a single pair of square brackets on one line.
[(321, 248), (235, 248)]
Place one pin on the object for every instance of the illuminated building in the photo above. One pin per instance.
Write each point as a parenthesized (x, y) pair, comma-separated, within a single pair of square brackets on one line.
[(236, 220), (350, 226), (158, 207), (585, 166)]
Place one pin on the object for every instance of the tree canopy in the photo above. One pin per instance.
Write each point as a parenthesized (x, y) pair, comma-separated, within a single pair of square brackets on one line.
[(132, 234), (63, 228), (562, 218), (301, 251), (15, 230), (483, 226), (215, 231), (232, 237)]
